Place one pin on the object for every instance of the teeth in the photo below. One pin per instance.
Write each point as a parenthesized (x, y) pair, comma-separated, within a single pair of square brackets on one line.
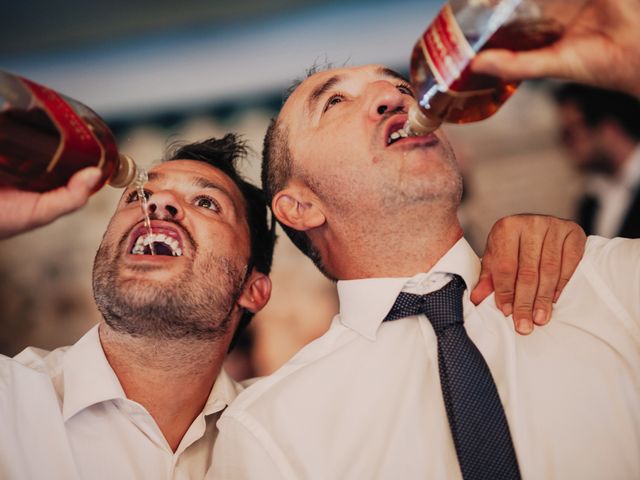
[(397, 135), (144, 241)]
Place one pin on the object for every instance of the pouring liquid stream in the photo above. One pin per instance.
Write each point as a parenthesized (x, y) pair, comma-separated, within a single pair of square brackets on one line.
[(142, 198)]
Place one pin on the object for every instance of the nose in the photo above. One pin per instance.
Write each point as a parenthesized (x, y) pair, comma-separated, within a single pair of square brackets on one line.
[(163, 205), (385, 99)]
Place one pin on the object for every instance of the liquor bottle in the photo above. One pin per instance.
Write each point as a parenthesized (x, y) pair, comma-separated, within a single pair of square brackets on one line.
[(446, 89), (46, 137)]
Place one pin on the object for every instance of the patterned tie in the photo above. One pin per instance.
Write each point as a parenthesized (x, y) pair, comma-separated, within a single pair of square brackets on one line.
[(476, 417)]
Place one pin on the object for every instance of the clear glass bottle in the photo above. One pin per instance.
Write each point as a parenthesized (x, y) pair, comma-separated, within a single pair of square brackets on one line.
[(446, 89), (46, 137)]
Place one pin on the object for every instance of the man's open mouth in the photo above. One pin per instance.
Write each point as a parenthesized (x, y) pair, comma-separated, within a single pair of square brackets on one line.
[(162, 241), (395, 129), (397, 135)]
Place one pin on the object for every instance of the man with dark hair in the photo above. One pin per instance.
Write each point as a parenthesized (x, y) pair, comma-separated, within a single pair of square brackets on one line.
[(412, 380), (601, 131), (139, 395)]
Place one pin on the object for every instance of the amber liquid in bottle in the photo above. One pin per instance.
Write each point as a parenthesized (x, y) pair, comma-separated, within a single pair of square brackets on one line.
[(472, 96), (45, 138), (28, 142)]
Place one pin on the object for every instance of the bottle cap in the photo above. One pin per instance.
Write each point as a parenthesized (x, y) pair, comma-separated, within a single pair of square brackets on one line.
[(125, 173), (419, 123)]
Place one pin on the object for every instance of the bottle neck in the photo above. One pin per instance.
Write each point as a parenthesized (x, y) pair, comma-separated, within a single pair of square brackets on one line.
[(125, 172), (420, 124)]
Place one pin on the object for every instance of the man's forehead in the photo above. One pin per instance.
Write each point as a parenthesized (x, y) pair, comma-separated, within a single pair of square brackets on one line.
[(318, 83), (184, 168), (196, 174)]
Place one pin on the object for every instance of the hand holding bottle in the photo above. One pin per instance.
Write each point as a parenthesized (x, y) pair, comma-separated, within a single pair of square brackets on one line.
[(599, 48), (24, 210)]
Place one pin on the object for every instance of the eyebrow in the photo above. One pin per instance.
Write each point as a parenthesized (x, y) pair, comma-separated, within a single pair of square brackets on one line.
[(387, 72), (331, 82), (201, 183), (320, 90)]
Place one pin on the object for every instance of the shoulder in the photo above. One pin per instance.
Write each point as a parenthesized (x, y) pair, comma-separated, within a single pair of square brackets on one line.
[(616, 261), (615, 251), (286, 381), (43, 361), (612, 268), (31, 369)]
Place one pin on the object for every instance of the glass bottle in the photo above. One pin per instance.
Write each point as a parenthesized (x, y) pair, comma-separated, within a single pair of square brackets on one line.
[(46, 137), (446, 89)]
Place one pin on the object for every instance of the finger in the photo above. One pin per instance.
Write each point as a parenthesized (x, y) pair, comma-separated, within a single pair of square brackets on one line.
[(63, 200), (504, 269), (550, 267), (519, 65), (484, 287), (527, 278), (572, 252)]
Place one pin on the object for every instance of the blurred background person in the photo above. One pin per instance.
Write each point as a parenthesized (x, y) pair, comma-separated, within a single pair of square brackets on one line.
[(601, 132)]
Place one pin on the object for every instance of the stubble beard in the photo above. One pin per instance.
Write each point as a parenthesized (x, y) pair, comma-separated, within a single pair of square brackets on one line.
[(443, 190), (190, 307)]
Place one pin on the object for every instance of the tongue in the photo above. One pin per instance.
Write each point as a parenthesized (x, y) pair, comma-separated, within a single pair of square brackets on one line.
[(159, 248)]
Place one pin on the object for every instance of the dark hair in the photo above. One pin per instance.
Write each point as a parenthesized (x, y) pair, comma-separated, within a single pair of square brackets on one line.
[(223, 154), (277, 170), (598, 105)]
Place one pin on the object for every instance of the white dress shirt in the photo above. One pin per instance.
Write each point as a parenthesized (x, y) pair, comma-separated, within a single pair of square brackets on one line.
[(364, 401), (615, 196), (64, 415)]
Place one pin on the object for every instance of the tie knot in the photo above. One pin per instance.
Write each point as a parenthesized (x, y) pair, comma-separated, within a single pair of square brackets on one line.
[(443, 307)]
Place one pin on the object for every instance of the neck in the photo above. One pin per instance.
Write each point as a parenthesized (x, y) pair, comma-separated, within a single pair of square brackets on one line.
[(390, 246), (172, 379)]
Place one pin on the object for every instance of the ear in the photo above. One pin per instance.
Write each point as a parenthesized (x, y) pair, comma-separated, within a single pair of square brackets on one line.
[(256, 292), (298, 207)]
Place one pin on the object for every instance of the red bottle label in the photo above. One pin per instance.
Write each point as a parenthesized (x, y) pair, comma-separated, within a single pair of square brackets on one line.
[(76, 137), (446, 49)]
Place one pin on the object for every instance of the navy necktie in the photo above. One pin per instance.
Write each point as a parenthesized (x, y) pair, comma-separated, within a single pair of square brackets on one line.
[(476, 417)]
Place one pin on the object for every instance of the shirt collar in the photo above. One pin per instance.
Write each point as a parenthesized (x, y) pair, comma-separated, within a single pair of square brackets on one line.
[(88, 377), (224, 391), (365, 303), (89, 380)]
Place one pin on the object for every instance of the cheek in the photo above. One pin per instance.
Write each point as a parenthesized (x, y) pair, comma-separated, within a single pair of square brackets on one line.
[(115, 231), (340, 145), (226, 240)]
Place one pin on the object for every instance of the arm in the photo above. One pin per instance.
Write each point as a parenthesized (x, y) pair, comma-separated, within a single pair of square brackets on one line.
[(528, 261), (599, 48), (22, 211)]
